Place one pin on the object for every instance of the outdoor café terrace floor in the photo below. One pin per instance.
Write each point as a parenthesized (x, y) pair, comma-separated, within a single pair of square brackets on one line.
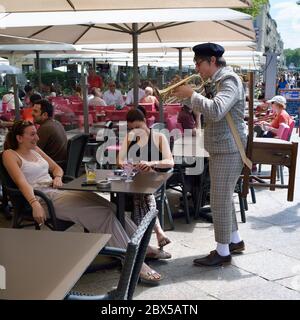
[(269, 268)]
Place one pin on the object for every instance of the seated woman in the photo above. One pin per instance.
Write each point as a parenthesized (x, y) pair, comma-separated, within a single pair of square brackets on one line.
[(149, 97), (269, 130), (149, 151), (97, 98), (29, 168)]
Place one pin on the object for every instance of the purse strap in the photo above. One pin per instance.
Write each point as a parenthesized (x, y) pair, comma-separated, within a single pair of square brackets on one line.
[(237, 138)]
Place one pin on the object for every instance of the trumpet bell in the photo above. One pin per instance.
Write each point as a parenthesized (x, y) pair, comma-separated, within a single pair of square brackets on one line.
[(167, 93)]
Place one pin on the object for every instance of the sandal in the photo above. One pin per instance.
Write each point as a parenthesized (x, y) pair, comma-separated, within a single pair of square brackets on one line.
[(164, 241), (159, 255), (149, 278)]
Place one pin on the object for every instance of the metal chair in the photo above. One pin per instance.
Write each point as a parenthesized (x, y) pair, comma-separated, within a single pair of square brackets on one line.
[(22, 212), (133, 258), (75, 153)]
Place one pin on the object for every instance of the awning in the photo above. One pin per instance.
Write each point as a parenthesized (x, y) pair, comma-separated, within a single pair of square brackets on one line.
[(77, 5)]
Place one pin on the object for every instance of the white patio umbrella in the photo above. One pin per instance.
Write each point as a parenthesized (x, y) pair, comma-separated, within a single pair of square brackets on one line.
[(87, 27), (4, 68), (170, 25), (78, 5)]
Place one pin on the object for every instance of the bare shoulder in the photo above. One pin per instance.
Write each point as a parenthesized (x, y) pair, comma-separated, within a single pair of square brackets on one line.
[(38, 150), (10, 156), (160, 139), (159, 136)]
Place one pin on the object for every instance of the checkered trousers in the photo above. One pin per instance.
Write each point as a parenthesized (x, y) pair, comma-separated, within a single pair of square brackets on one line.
[(224, 170)]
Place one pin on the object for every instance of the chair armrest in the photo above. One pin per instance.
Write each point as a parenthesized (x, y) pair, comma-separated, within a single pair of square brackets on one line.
[(67, 178), (42, 195), (49, 205), (114, 252)]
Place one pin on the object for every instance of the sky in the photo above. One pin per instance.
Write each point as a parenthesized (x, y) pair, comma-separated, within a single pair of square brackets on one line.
[(286, 13)]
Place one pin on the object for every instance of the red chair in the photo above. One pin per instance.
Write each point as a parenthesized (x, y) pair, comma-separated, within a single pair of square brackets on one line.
[(81, 120), (172, 123), (109, 108), (76, 106), (148, 106), (4, 107), (292, 126), (172, 109), (283, 132)]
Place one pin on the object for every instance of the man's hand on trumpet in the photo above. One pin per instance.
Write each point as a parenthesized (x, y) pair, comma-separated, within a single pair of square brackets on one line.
[(183, 92)]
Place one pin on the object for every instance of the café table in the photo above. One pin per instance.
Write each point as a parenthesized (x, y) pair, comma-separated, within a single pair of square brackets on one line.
[(142, 183), (42, 265)]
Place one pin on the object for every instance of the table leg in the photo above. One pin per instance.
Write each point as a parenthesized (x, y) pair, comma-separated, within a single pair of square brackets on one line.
[(121, 208), (200, 211)]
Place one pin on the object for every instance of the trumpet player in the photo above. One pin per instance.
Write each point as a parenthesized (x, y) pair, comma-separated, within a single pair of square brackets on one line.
[(225, 163)]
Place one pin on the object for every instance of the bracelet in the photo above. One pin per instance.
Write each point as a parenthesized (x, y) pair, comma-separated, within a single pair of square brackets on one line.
[(57, 176), (31, 201), (155, 164)]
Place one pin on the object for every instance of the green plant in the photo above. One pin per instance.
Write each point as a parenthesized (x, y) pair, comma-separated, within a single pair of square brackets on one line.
[(63, 79), (254, 10)]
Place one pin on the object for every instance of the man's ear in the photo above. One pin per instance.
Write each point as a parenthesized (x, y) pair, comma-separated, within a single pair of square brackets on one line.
[(45, 115), (213, 59)]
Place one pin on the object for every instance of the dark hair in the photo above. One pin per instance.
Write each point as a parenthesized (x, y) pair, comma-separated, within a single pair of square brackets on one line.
[(35, 97), (46, 106), (142, 109), (28, 88), (220, 61), (17, 129), (135, 115)]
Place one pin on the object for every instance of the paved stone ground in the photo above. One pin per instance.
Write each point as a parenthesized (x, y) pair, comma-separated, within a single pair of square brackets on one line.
[(269, 268)]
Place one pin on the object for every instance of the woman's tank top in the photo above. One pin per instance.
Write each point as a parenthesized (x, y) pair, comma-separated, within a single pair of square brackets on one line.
[(148, 152), (36, 172)]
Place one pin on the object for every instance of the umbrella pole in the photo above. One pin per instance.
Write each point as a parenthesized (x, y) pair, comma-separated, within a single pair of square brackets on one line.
[(16, 97), (38, 69), (160, 85), (135, 64), (85, 100), (180, 61)]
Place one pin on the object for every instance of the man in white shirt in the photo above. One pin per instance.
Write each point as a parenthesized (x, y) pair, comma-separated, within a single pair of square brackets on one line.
[(130, 98), (113, 96), (8, 101)]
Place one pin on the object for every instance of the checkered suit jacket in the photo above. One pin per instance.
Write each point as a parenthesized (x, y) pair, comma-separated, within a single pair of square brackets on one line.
[(230, 97)]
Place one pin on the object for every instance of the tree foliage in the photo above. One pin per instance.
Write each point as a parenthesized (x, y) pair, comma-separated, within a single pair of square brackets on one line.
[(292, 56), (255, 9)]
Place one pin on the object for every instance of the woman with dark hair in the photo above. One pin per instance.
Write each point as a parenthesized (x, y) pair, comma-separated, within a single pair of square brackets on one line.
[(29, 168), (149, 151)]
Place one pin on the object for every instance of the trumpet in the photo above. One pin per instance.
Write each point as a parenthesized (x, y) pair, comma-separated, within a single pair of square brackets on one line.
[(167, 93)]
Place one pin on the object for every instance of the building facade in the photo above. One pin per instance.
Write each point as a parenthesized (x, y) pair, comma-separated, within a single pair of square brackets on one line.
[(267, 35)]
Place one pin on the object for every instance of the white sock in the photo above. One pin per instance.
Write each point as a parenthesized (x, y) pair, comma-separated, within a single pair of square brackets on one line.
[(223, 249), (235, 237)]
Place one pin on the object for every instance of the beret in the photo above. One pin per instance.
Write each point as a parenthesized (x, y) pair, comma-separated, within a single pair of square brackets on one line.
[(208, 49)]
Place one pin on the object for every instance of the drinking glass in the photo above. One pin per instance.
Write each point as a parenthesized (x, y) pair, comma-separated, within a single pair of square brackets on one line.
[(128, 171), (90, 171)]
